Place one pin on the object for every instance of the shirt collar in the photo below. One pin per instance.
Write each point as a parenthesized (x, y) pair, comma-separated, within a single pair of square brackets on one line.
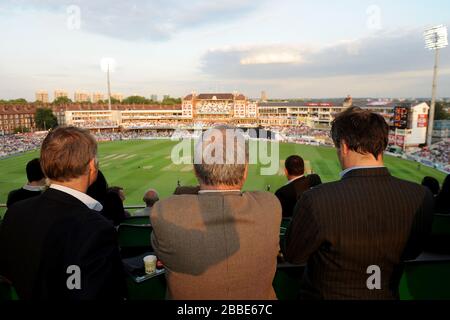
[(292, 180), (33, 188), (343, 173), (91, 203), (217, 191)]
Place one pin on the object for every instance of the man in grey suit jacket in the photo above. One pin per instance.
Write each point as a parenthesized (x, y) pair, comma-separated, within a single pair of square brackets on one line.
[(354, 234), (219, 244)]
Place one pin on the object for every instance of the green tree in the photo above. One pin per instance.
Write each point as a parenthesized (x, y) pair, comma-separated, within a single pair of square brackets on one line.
[(135, 100), (18, 101), (21, 130), (14, 101), (171, 101), (62, 100), (440, 112), (113, 101), (45, 119)]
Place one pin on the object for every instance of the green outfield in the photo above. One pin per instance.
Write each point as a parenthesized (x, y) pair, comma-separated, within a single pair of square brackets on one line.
[(138, 165)]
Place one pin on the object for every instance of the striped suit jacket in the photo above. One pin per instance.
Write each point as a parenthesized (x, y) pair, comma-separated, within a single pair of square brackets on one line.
[(341, 229)]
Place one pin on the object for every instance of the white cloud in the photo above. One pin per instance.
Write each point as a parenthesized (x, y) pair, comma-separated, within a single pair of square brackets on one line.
[(272, 56), (149, 20), (383, 53)]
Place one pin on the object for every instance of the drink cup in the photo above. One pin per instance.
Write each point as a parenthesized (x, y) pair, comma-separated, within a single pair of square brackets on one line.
[(150, 264)]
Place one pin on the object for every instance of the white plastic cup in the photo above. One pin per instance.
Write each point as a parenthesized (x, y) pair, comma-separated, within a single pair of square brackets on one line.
[(150, 264)]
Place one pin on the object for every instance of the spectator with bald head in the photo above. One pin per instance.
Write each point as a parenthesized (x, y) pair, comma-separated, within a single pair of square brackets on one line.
[(221, 243), (150, 198)]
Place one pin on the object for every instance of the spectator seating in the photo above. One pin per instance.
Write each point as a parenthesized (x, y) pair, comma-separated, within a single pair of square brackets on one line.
[(427, 278), (151, 289), (440, 236), (441, 225), (134, 239), (287, 281), (7, 292), (138, 220)]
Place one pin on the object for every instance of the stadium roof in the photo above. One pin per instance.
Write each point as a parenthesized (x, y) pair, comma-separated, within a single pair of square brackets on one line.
[(30, 108), (17, 109), (121, 107), (216, 96), (298, 104)]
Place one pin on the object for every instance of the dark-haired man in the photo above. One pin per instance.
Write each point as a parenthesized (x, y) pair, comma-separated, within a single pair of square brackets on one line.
[(34, 187), (297, 184), (354, 234), (57, 246)]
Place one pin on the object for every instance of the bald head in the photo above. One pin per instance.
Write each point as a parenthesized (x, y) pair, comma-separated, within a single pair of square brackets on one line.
[(151, 197)]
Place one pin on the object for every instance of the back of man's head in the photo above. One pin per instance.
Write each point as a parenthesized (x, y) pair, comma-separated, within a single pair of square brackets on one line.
[(432, 184), (34, 171), (66, 153), (151, 197), (364, 132), (221, 157), (295, 166)]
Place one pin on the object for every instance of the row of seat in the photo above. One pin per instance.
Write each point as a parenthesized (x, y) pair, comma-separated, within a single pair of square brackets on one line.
[(428, 277)]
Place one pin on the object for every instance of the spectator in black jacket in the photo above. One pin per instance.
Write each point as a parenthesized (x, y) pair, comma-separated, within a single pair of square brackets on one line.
[(443, 198), (57, 246), (298, 183), (110, 198), (354, 234), (34, 187)]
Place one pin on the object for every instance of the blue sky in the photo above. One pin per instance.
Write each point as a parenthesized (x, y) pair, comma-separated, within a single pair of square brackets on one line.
[(290, 49)]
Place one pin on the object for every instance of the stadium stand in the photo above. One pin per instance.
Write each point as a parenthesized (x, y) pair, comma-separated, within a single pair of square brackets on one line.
[(438, 155), (12, 144)]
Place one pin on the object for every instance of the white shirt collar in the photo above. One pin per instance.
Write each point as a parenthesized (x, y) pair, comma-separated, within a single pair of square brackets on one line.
[(217, 191), (343, 173), (87, 200), (33, 188), (292, 180)]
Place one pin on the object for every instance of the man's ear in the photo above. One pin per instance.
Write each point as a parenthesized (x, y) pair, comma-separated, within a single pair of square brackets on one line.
[(344, 147), (93, 169), (92, 165)]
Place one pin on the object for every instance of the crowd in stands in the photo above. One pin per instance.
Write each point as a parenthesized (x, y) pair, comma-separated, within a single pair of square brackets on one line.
[(12, 144), (216, 241), (436, 154), (214, 107), (303, 135), (97, 124), (132, 135), (148, 124)]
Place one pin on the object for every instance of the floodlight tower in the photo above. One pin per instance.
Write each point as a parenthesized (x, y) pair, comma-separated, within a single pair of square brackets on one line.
[(108, 65), (436, 38), (109, 89)]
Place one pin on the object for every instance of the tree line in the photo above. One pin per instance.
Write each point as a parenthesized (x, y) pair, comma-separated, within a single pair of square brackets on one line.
[(167, 100)]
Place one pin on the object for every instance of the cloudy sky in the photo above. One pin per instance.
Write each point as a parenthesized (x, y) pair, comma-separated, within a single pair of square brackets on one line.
[(289, 48)]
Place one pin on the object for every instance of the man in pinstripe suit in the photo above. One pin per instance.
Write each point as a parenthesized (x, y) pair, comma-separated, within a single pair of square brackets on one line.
[(355, 233)]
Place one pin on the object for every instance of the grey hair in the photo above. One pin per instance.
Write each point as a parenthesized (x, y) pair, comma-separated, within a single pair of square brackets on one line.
[(221, 156)]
